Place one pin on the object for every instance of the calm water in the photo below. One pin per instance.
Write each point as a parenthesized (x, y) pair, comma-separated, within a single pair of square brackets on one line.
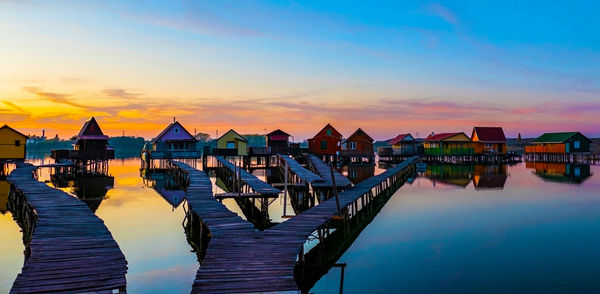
[(453, 230)]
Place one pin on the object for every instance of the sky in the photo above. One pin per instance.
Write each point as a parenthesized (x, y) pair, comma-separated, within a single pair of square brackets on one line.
[(388, 67)]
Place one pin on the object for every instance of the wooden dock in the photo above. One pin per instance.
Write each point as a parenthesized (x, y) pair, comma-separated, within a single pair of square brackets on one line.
[(304, 175), (324, 171), (70, 250), (247, 178), (240, 259)]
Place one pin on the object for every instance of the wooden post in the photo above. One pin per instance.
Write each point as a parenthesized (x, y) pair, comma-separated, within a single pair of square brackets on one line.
[(337, 200)]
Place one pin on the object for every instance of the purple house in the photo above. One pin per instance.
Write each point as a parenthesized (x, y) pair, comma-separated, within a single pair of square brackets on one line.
[(174, 138)]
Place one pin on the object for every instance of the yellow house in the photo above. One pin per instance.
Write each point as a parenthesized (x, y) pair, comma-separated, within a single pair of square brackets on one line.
[(12, 143), (232, 143), (4, 190)]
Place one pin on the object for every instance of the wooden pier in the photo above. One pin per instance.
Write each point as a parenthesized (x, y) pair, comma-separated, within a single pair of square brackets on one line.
[(240, 259), (247, 180), (324, 170), (68, 248)]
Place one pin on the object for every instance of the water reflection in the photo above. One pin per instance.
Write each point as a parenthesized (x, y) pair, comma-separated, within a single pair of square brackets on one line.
[(91, 188), (358, 173), (568, 173), (490, 176), (456, 175), (4, 190), (165, 185)]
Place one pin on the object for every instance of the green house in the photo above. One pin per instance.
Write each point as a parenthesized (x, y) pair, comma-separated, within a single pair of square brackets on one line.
[(450, 144)]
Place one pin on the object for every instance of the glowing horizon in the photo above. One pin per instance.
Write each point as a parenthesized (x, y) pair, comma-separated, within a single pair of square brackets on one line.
[(387, 68)]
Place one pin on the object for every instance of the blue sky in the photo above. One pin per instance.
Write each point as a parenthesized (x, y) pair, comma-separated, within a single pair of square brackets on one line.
[(386, 66)]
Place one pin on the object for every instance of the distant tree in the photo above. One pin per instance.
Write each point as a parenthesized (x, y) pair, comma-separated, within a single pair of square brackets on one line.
[(519, 137), (72, 138), (203, 137)]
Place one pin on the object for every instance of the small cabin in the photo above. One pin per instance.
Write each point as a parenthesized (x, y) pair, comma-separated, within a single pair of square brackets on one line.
[(12, 144), (488, 140), (560, 143), (278, 142), (404, 144), (448, 144), (328, 141), (174, 139), (90, 144), (231, 144), (359, 145)]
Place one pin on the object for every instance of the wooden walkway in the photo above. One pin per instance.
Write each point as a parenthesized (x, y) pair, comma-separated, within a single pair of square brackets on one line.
[(240, 259), (325, 171), (72, 251), (249, 179), (301, 172)]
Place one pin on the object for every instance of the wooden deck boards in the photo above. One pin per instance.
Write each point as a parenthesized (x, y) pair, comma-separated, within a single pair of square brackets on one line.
[(240, 259), (255, 183), (324, 171), (300, 171), (72, 251)]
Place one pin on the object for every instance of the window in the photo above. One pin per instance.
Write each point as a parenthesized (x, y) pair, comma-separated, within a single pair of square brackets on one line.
[(489, 146), (352, 145), (328, 132), (576, 145), (323, 145), (230, 145), (176, 130), (17, 142)]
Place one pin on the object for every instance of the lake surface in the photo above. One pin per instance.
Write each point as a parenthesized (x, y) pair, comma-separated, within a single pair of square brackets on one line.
[(455, 229)]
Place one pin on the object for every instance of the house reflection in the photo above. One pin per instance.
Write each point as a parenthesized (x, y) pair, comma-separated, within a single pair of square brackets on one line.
[(4, 190), (456, 175), (489, 176), (567, 173), (165, 185), (91, 188), (358, 173)]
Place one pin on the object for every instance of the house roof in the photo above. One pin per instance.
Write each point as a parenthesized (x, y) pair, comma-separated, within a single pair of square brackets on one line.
[(489, 134), (7, 127), (242, 138), (166, 130), (556, 137), (328, 126), (398, 138), (278, 132), (358, 132), (442, 136), (91, 131)]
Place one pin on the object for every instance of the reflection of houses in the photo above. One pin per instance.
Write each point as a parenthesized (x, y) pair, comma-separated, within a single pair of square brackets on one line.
[(165, 185), (358, 148), (359, 173), (4, 190), (560, 172), (326, 142), (448, 144), (488, 140), (231, 144), (90, 145), (489, 176), (12, 144), (90, 188), (457, 175)]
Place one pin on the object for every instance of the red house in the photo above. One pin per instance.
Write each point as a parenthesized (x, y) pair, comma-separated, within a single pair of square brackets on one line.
[(358, 148), (328, 141)]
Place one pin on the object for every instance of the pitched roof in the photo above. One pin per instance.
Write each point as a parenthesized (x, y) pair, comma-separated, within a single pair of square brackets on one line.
[(556, 137), (166, 130), (7, 127), (398, 138), (358, 132), (278, 132), (91, 131), (242, 138), (489, 134), (442, 136), (328, 126)]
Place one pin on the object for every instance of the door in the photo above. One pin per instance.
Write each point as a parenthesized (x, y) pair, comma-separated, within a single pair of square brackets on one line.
[(567, 147)]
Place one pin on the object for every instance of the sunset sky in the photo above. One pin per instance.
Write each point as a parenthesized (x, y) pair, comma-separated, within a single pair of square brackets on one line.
[(387, 66)]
